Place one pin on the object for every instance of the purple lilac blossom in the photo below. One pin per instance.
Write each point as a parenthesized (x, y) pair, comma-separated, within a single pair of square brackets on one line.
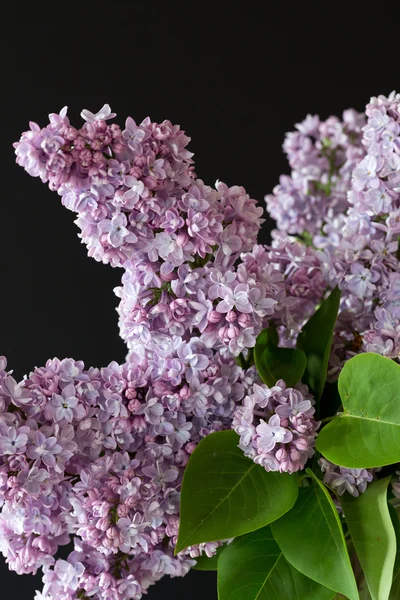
[(357, 237), (322, 155), (341, 479), (276, 426), (177, 239), (135, 192), (99, 454), (226, 307), (140, 206), (363, 252)]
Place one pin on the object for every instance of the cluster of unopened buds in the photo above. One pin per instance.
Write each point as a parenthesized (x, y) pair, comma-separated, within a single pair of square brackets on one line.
[(96, 456)]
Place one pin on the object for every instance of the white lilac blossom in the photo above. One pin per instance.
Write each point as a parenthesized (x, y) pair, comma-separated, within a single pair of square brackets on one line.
[(276, 426)]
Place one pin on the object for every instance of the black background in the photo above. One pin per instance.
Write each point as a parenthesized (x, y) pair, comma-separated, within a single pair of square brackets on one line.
[(234, 76)]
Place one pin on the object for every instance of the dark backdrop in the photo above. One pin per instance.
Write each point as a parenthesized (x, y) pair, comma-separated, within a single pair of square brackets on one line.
[(235, 79)]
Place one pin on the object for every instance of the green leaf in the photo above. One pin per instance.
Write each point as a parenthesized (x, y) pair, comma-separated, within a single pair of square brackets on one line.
[(204, 563), (395, 590), (275, 363), (282, 363), (396, 526), (373, 536), (316, 341), (224, 494), (311, 538), (267, 336), (253, 567), (363, 591), (367, 433)]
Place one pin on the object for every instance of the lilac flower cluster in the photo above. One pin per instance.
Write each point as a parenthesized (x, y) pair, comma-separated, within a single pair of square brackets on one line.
[(177, 239), (341, 479), (226, 307), (276, 426), (140, 206), (362, 247), (107, 175), (359, 240), (99, 454), (375, 219), (135, 191), (295, 276), (322, 156), (353, 221)]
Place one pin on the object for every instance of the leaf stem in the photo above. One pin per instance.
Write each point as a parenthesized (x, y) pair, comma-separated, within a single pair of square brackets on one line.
[(303, 476), (327, 419)]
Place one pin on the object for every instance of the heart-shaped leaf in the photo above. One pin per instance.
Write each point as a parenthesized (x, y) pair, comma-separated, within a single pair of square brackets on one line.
[(311, 538), (225, 494), (274, 363), (373, 536), (367, 433), (253, 567), (315, 340)]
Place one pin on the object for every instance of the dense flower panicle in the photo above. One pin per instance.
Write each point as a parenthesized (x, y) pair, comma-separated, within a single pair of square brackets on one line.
[(363, 247), (341, 479), (87, 574), (141, 207), (178, 241), (225, 306), (359, 241), (322, 155), (135, 191), (99, 454), (295, 276), (276, 426)]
